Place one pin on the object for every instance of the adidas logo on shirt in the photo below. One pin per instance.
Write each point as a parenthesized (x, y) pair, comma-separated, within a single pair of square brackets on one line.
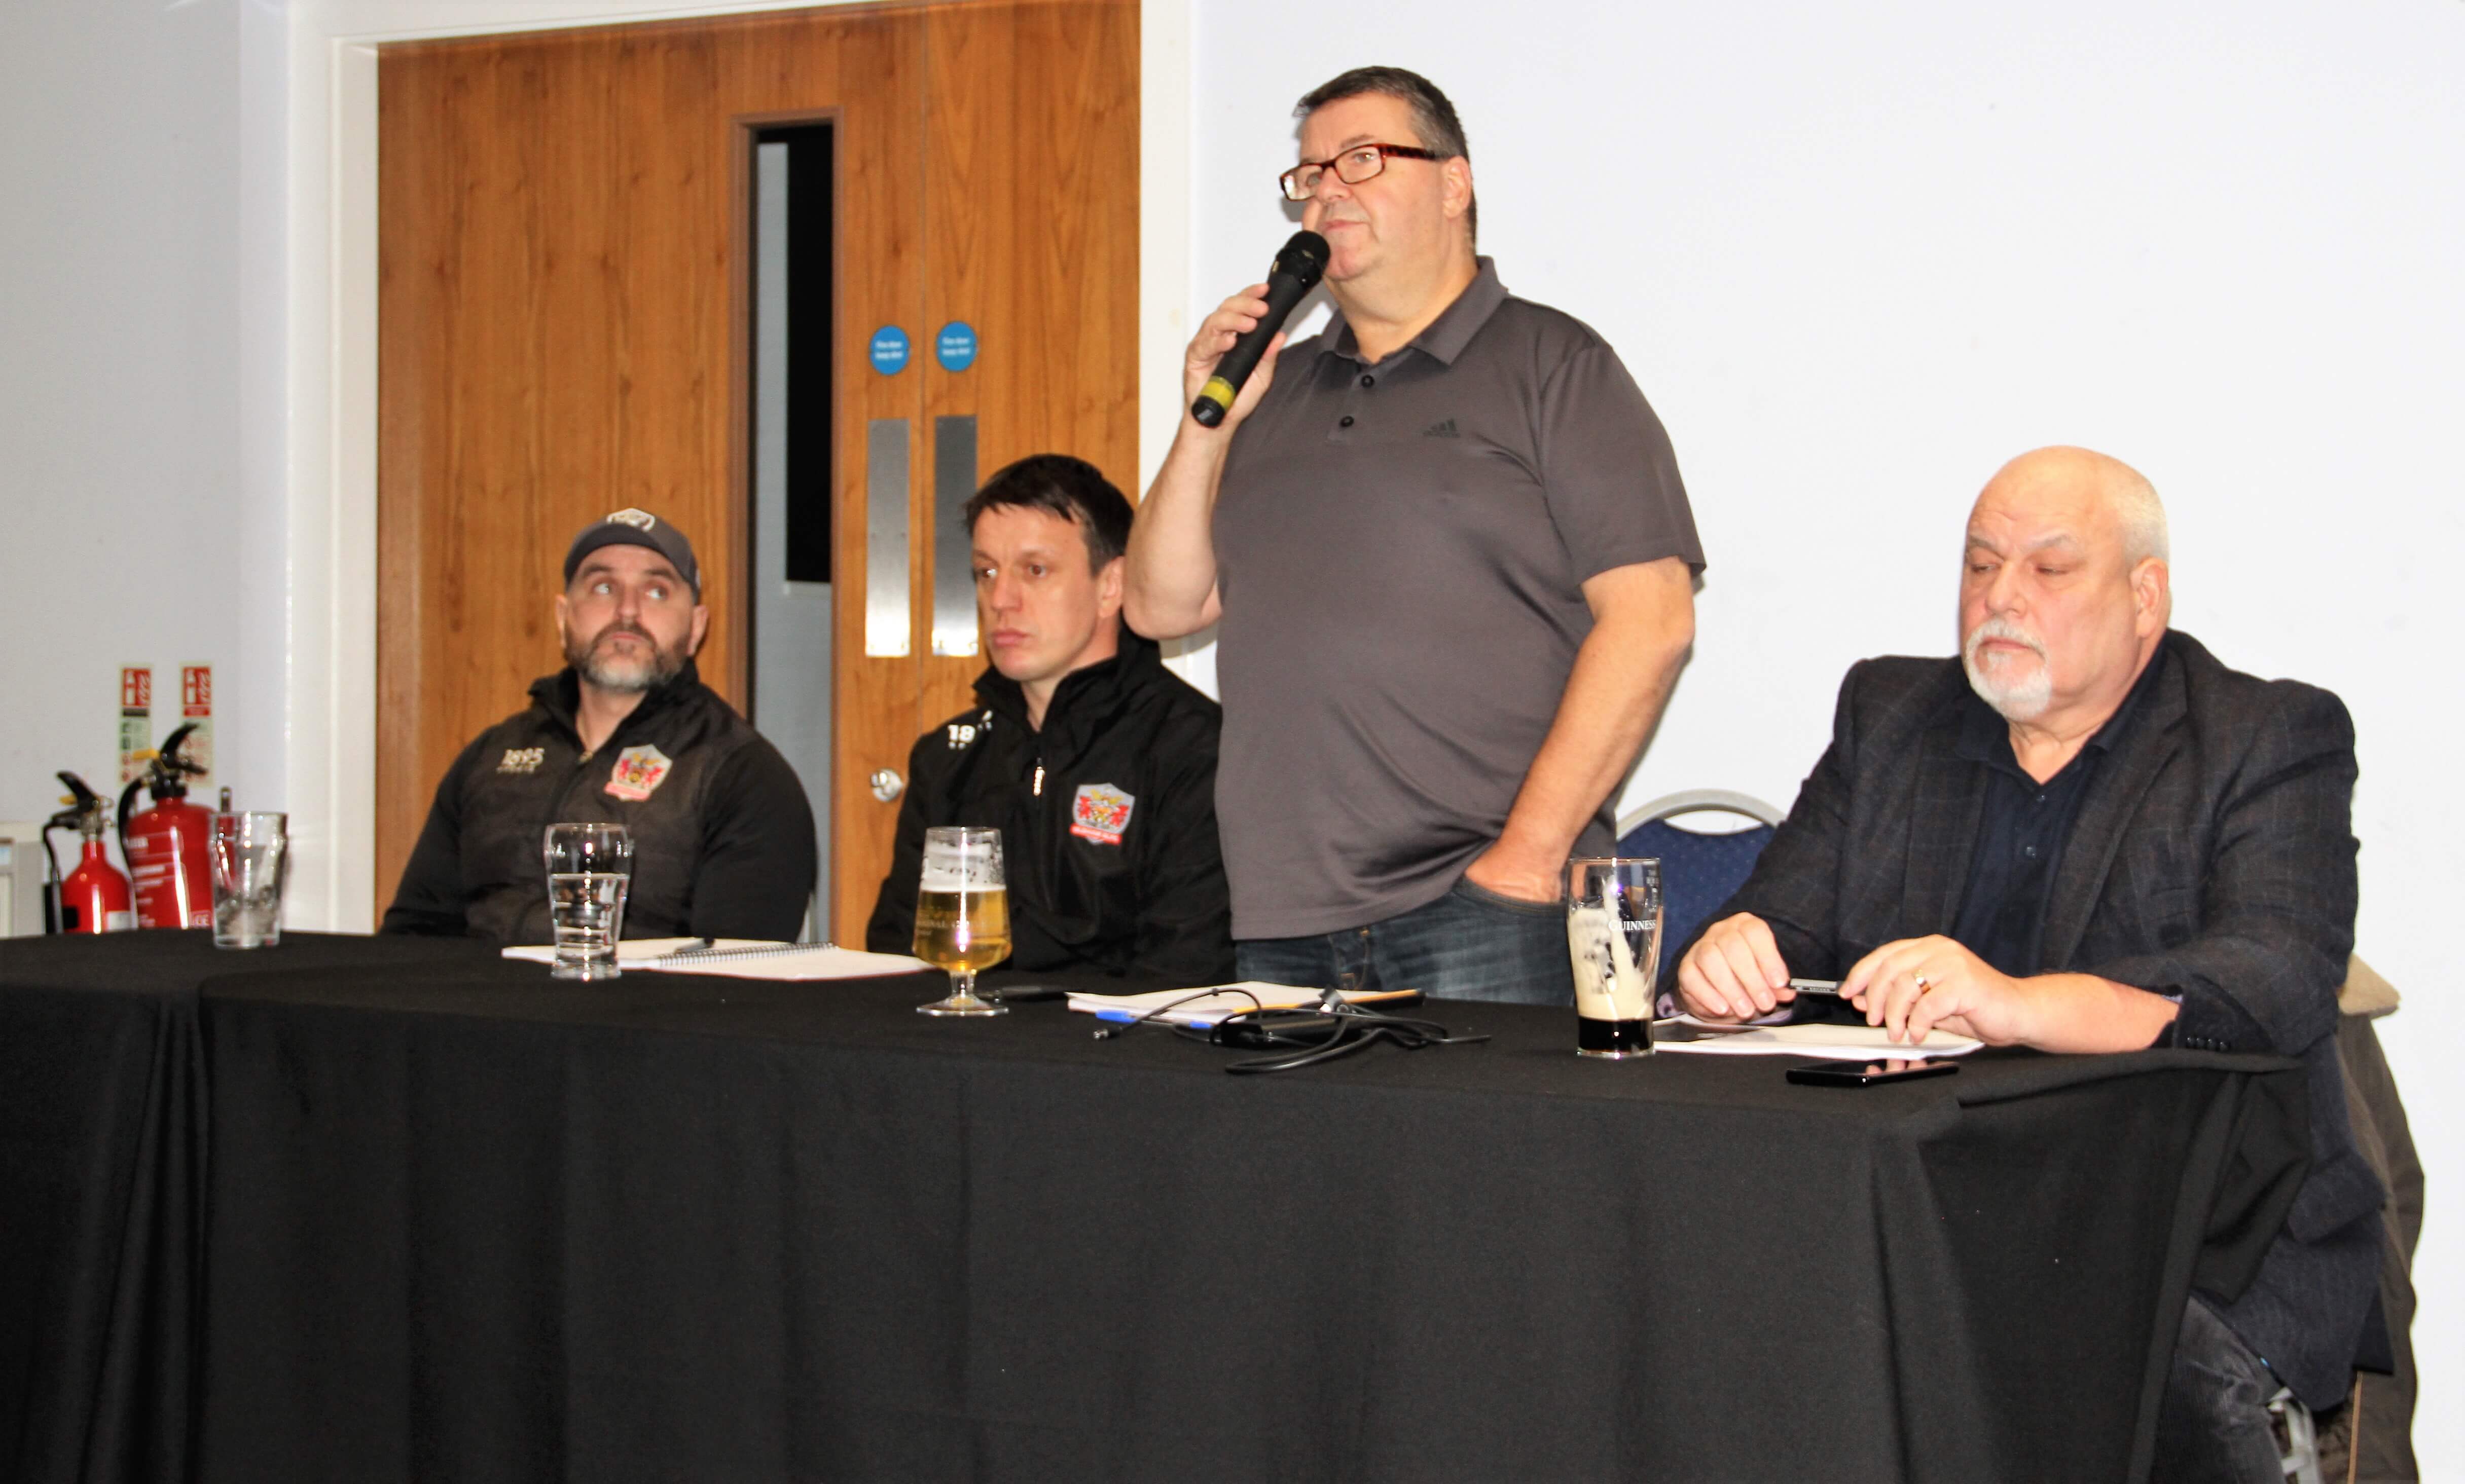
[(1444, 430)]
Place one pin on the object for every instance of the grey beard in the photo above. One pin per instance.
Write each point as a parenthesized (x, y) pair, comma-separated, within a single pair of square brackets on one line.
[(2023, 701), (665, 665)]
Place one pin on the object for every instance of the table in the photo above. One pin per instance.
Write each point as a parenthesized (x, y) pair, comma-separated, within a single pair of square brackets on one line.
[(101, 1162), (463, 1222)]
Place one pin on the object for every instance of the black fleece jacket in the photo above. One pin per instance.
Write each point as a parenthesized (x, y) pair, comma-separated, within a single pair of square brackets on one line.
[(723, 834), (1107, 817)]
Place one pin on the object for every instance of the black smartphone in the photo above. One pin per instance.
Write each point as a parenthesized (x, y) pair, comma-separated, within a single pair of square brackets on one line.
[(1867, 1073), (1021, 994)]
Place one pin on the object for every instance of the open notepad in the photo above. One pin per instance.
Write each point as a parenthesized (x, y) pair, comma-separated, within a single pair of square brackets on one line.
[(742, 958), (1834, 1043)]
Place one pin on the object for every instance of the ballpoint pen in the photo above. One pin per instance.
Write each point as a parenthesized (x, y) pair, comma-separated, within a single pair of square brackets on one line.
[(1134, 1017)]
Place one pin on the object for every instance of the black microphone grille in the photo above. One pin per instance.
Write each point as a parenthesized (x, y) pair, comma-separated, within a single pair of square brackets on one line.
[(1303, 258)]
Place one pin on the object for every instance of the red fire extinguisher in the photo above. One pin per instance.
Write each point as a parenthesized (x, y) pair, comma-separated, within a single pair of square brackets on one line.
[(93, 898), (164, 845)]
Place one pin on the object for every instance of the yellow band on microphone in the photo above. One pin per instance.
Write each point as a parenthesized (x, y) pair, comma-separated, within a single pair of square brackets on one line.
[(1219, 392)]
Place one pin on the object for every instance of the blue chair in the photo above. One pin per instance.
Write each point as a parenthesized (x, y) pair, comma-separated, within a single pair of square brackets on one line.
[(1699, 870)]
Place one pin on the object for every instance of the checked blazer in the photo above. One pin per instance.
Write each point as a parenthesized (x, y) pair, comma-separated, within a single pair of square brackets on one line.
[(2212, 859)]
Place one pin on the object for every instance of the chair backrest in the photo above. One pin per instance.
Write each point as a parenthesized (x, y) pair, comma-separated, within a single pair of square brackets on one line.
[(1698, 871)]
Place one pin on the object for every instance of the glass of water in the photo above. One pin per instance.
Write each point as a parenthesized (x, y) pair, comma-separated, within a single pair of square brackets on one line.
[(588, 867), (248, 856)]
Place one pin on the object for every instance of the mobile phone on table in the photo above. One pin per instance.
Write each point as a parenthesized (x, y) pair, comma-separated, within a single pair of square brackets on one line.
[(1022, 993), (1867, 1073)]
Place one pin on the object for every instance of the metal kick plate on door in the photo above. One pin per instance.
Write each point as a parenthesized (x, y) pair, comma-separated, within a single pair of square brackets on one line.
[(954, 575), (886, 625)]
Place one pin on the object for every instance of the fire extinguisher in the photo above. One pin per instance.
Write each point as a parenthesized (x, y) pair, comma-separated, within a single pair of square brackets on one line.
[(164, 845), (95, 897)]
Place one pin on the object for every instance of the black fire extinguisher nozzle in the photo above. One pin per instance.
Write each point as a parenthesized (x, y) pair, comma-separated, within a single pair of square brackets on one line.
[(51, 877), (86, 798), (127, 801), (173, 756)]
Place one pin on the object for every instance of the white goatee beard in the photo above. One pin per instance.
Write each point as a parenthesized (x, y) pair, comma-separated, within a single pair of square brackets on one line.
[(2016, 700)]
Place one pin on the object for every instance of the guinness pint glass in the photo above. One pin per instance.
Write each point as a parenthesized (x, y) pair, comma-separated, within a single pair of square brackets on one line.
[(1613, 939)]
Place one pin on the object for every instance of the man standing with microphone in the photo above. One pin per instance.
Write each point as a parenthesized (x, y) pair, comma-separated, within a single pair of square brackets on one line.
[(1454, 563)]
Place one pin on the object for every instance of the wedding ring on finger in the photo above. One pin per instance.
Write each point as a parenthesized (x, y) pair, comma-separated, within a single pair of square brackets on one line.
[(1920, 980)]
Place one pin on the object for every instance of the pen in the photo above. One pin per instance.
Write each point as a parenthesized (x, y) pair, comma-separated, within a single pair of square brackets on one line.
[(1132, 1018), (1364, 997), (697, 945)]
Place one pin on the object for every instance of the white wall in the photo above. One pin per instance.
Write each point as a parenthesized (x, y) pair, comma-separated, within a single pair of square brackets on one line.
[(1857, 256), (140, 524)]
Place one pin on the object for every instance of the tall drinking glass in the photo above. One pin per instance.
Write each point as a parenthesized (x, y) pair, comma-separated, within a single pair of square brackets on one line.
[(589, 868), (962, 913), (1613, 937)]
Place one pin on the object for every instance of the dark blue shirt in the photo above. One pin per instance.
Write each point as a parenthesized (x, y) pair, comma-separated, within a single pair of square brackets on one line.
[(2023, 830)]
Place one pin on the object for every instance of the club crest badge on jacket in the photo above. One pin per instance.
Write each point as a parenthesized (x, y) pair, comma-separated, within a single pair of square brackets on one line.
[(1101, 812), (638, 772)]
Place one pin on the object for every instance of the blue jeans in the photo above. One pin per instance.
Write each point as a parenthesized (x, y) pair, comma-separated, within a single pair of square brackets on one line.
[(1469, 944)]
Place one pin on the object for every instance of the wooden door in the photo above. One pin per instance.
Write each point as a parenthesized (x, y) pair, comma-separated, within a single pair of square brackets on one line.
[(564, 238), (1031, 205)]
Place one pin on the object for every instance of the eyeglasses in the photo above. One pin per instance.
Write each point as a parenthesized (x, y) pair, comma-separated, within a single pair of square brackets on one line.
[(1356, 164)]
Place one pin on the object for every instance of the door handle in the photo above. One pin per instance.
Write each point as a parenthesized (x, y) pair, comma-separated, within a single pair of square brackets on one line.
[(885, 539), (887, 785), (954, 567)]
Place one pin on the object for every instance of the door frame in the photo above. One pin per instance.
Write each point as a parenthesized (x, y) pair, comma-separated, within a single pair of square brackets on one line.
[(329, 476)]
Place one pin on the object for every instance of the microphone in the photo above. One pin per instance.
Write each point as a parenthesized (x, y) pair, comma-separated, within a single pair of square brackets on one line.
[(1297, 270)]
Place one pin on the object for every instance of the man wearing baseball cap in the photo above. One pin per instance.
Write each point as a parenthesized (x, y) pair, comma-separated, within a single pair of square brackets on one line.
[(626, 733)]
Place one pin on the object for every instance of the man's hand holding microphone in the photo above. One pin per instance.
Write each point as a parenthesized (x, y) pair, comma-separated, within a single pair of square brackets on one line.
[(1246, 330), (1171, 587)]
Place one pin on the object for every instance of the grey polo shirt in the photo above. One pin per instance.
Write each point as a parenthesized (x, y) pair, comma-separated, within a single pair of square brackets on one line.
[(1401, 550)]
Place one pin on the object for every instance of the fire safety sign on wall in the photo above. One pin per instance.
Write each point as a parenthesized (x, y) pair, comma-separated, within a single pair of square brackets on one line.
[(197, 709), (136, 720)]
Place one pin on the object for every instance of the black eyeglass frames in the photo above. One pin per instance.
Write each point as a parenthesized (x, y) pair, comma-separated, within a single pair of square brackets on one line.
[(1354, 165)]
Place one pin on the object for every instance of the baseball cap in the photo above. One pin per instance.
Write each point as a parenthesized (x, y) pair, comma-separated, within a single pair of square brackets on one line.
[(631, 528)]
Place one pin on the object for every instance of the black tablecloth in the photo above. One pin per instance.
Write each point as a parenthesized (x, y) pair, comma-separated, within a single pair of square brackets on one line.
[(466, 1223), (102, 1144), (470, 1223)]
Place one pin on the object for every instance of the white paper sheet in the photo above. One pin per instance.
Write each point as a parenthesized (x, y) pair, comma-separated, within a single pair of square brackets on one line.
[(764, 960), (1833, 1043)]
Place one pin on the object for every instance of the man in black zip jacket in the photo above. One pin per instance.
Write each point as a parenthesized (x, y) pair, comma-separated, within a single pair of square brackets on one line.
[(625, 734), (1096, 764)]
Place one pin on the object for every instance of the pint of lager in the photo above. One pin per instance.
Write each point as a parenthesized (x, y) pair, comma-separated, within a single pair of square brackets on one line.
[(962, 913), (962, 929)]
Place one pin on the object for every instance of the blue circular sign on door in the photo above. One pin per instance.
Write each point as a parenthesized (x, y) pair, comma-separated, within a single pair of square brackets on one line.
[(890, 350), (956, 345)]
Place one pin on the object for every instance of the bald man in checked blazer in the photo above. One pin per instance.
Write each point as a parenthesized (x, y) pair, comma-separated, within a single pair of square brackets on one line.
[(2085, 834)]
